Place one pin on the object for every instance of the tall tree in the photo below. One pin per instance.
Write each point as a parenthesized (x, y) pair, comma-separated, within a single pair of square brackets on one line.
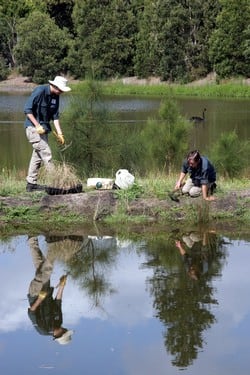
[(10, 13), (229, 41), (172, 39), (105, 37), (61, 12), (202, 17), (166, 139), (41, 54), (148, 51)]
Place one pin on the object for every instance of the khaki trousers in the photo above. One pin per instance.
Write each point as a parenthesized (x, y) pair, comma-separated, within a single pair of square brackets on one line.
[(194, 191), (41, 153), (43, 266)]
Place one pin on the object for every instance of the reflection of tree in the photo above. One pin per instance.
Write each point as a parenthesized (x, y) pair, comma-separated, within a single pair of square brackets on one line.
[(183, 303), (90, 263)]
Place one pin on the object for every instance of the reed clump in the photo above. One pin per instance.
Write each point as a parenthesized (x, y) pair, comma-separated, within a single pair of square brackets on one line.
[(60, 175)]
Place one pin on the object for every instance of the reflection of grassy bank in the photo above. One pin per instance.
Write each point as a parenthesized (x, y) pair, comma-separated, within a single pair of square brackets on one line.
[(235, 89)]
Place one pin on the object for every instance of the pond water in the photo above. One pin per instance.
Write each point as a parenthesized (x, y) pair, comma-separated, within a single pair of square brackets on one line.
[(133, 306), (221, 116)]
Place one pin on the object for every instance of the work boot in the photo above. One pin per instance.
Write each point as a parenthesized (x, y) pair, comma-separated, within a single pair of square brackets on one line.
[(34, 187)]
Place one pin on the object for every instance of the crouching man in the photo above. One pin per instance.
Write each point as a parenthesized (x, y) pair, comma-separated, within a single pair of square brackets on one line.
[(202, 176)]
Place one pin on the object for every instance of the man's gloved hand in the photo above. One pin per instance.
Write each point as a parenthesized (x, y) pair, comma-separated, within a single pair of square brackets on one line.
[(42, 294), (40, 130), (59, 137)]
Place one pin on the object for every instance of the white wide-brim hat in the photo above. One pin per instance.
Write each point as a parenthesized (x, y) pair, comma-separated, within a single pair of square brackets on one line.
[(65, 338), (188, 241), (61, 83)]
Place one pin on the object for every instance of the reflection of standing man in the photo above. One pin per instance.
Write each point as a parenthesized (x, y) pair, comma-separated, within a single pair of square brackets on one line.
[(45, 312)]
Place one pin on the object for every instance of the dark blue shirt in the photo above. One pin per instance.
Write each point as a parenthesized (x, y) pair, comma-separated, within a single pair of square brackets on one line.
[(48, 314), (43, 105), (203, 174)]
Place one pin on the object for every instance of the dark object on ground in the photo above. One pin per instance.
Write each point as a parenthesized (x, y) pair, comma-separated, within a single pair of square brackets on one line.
[(98, 185), (174, 196), (198, 118), (34, 187), (212, 188), (60, 191)]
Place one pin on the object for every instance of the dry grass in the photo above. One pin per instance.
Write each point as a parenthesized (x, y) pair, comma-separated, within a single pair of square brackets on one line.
[(60, 175)]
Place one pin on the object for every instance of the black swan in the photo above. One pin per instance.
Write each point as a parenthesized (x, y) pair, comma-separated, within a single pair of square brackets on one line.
[(198, 118)]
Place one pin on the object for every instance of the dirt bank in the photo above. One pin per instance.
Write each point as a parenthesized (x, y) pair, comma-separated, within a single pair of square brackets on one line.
[(16, 83), (96, 205)]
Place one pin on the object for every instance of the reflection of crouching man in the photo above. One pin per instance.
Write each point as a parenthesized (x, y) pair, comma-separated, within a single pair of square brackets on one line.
[(194, 260), (45, 312)]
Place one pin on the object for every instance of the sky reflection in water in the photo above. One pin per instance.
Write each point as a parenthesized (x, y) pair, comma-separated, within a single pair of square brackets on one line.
[(122, 335)]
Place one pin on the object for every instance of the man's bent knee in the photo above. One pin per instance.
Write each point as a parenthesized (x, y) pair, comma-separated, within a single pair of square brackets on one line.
[(195, 192)]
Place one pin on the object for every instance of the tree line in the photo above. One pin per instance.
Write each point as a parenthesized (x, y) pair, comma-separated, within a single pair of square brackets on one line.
[(176, 40)]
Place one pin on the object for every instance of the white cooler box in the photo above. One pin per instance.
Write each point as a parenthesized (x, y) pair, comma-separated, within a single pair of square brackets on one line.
[(100, 183)]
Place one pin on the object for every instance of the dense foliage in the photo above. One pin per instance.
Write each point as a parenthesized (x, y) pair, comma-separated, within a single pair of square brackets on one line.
[(172, 39), (102, 144)]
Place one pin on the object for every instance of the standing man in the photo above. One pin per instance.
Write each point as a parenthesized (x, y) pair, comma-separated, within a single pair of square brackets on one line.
[(202, 176), (42, 107)]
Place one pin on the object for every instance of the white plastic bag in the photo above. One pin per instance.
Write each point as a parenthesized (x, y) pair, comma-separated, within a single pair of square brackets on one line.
[(124, 179)]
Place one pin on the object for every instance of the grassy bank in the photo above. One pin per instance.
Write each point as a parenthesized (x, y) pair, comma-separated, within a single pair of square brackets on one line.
[(230, 89), (152, 186), (206, 88), (146, 189)]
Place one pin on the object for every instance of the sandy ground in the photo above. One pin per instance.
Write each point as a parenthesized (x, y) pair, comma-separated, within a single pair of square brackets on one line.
[(16, 83)]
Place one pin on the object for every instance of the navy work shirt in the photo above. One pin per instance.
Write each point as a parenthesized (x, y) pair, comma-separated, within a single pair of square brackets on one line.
[(43, 105), (203, 174), (48, 315)]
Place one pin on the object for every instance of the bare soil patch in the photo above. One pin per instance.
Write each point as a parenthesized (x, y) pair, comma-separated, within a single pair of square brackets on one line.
[(16, 83)]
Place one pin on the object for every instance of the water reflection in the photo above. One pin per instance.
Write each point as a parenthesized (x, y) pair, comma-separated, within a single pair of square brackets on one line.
[(168, 298), (88, 260), (183, 293), (45, 311), (85, 260)]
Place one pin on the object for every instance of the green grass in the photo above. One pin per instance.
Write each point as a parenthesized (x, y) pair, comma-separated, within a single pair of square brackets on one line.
[(228, 89), (153, 186), (11, 183)]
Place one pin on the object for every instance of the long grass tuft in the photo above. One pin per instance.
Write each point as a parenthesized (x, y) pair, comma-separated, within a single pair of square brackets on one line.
[(61, 175)]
